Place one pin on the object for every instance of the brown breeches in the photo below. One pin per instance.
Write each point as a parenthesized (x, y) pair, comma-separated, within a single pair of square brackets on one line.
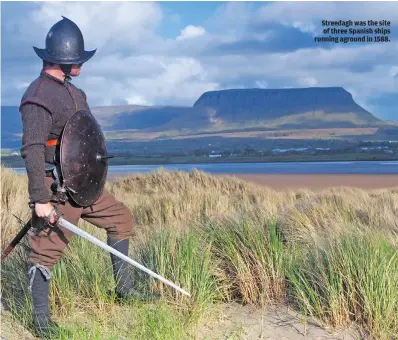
[(107, 213)]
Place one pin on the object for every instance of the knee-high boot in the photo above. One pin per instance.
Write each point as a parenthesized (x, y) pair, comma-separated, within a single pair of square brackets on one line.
[(121, 272), (125, 289), (40, 288)]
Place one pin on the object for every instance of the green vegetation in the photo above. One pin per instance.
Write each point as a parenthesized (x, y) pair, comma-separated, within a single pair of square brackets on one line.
[(17, 161), (349, 278), (331, 255)]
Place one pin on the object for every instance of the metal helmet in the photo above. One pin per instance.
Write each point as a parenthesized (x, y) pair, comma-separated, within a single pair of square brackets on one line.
[(64, 44)]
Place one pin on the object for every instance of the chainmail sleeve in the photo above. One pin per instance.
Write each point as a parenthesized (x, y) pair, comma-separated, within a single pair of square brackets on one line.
[(37, 123)]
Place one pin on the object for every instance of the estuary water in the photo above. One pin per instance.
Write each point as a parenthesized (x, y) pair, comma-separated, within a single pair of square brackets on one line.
[(368, 167), (388, 167)]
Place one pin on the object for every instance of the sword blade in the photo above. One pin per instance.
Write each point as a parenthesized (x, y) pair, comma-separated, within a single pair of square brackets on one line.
[(64, 223)]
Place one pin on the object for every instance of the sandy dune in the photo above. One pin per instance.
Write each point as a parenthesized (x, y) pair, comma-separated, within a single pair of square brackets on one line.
[(276, 322)]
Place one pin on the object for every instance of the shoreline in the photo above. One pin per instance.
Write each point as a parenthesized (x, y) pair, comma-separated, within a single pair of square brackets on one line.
[(17, 161)]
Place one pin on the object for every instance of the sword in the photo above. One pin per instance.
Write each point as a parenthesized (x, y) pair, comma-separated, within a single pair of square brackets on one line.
[(60, 221)]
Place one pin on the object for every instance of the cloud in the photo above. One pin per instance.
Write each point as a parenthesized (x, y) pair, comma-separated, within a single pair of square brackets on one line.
[(304, 26), (233, 18), (137, 100), (182, 80), (307, 81), (262, 84), (242, 45), (393, 72), (104, 23), (23, 85), (191, 31), (164, 86), (306, 16)]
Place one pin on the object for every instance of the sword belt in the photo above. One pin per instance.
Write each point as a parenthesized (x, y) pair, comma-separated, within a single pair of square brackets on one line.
[(58, 190)]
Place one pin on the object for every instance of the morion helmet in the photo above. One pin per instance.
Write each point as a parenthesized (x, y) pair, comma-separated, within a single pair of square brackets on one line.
[(64, 44)]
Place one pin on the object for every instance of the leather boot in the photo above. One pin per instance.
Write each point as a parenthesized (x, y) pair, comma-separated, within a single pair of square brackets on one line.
[(121, 272), (45, 328)]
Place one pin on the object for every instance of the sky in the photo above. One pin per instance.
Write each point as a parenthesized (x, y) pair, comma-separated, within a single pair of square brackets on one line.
[(169, 53)]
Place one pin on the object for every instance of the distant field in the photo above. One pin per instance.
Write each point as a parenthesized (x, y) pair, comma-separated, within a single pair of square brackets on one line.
[(331, 133), (291, 134)]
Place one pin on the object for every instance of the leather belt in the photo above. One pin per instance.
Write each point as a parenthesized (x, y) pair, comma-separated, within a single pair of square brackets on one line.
[(52, 142)]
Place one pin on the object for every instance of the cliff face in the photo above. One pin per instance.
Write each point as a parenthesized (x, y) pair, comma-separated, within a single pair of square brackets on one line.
[(265, 104)]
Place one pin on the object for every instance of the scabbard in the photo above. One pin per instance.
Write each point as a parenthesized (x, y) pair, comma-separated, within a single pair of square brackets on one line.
[(16, 240)]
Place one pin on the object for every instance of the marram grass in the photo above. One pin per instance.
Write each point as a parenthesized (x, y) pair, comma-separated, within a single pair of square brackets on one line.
[(351, 279), (332, 255), (250, 262)]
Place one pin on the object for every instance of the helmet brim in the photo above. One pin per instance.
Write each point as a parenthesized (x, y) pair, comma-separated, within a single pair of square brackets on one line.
[(85, 56)]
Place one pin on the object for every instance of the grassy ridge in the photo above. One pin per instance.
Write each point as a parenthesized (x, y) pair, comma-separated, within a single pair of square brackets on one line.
[(331, 255)]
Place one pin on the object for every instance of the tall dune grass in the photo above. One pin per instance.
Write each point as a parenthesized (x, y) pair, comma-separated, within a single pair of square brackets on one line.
[(250, 260), (350, 279), (331, 255)]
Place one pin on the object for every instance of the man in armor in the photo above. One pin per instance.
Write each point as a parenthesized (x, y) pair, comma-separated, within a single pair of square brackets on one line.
[(47, 105)]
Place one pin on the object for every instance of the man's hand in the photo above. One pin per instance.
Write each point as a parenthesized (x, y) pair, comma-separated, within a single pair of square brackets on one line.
[(43, 210)]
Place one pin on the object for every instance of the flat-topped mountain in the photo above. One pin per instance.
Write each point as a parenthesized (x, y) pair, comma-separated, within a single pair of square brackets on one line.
[(267, 104), (302, 108)]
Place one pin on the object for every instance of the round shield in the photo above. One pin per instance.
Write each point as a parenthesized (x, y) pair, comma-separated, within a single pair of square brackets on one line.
[(83, 158)]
